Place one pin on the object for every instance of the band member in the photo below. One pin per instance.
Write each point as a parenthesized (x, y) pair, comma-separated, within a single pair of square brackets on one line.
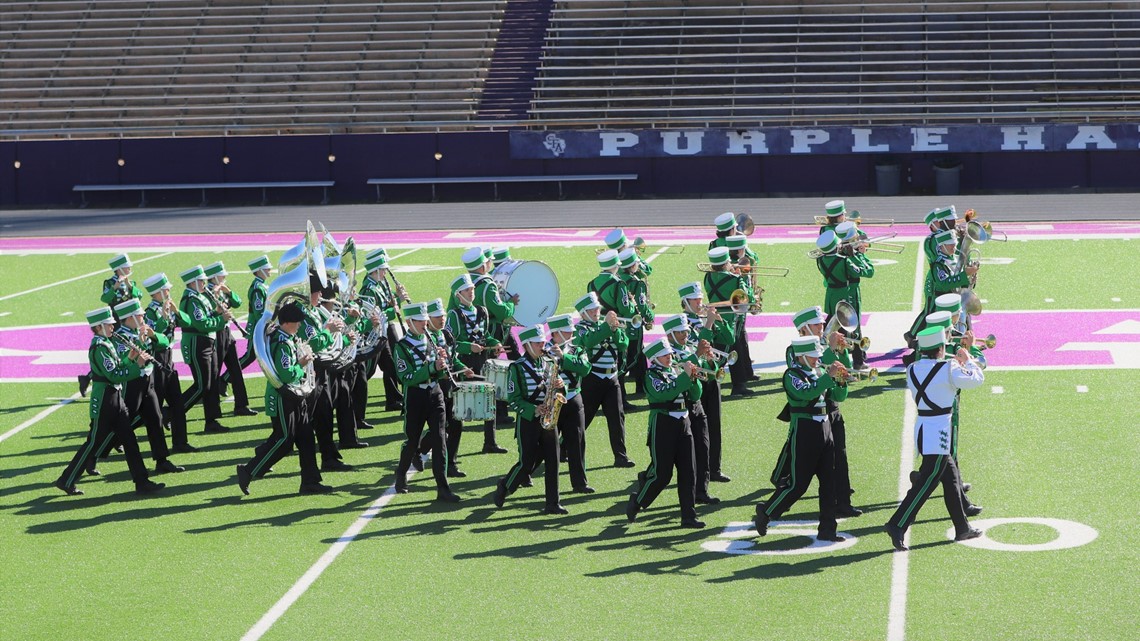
[(478, 264), (261, 268), (205, 320), (854, 249), (225, 348), (604, 344), (670, 438), (376, 289), (443, 338), (573, 366), (945, 276), (162, 316), (934, 383), (720, 283), (286, 410), (470, 324), (322, 331), (116, 289), (744, 259), (341, 378), (638, 289), (836, 212), (706, 324), (698, 353), (812, 451), (139, 397), (617, 241), (530, 391), (500, 255), (107, 413), (421, 365), (938, 219), (842, 265)]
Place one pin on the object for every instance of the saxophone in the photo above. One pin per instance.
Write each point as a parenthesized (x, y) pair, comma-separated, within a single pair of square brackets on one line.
[(552, 405)]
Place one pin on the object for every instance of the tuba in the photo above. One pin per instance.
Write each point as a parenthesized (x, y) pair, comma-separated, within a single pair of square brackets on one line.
[(331, 255), (290, 286)]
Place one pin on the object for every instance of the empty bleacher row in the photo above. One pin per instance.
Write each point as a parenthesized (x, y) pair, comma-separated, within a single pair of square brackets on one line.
[(838, 62), (276, 64)]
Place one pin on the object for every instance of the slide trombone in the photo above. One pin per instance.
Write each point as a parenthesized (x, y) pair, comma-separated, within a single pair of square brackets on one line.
[(737, 302), (641, 248), (879, 244), (855, 217)]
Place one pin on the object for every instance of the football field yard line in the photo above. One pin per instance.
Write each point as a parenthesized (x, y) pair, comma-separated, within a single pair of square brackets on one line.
[(900, 561), (38, 417), (72, 280)]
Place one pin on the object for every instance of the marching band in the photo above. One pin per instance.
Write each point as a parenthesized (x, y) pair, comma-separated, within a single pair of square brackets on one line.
[(486, 351)]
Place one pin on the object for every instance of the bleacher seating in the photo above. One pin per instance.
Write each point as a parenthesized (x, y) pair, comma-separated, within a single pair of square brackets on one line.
[(759, 62), (242, 64)]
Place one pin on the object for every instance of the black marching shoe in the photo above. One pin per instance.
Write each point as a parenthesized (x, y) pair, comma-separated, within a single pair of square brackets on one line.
[(354, 445), (335, 466), (401, 488), (447, 496), (315, 488), (969, 533), (185, 448), (847, 511), (417, 463), (831, 536), (632, 508), (165, 465), (741, 391), (761, 519), (91, 470), (624, 462), (84, 383), (555, 509), (719, 477), (148, 487), (245, 411), (527, 481), (694, 524), (500, 495), (455, 473), (973, 510), (393, 407), (365, 425), (966, 487), (243, 479), (70, 490), (896, 535), (707, 500), (214, 427), (583, 489), (494, 448)]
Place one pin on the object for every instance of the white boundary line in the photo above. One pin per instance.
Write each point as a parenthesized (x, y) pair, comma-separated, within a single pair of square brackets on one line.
[(38, 417), (314, 572), (71, 280), (900, 561)]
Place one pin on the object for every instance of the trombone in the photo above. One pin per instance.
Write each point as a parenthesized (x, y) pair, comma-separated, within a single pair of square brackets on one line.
[(737, 302), (856, 218), (746, 268), (879, 244), (641, 248)]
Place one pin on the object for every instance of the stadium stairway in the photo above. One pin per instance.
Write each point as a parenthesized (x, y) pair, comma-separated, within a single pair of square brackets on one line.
[(509, 86)]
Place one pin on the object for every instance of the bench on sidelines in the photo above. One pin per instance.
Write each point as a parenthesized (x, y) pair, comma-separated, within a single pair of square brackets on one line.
[(203, 187), (495, 180)]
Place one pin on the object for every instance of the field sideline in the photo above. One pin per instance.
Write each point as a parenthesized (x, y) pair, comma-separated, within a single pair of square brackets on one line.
[(202, 562)]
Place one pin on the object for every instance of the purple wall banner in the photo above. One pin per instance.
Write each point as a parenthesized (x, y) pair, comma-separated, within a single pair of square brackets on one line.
[(778, 141)]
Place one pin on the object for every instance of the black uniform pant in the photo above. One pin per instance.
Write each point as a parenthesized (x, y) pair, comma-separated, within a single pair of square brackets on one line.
[(606, 393), (842, 471), (454, 427), (710, 401), (291, 427), (424, 407), (635, 362), (142, 405), (741, 371), (358, 389), (699, 425), (320, 411), (670, 446), (572, 430), (934, 468), (340, 390), (228, 355), (168, 388), (811, 452), (535, 444), (205, 387), (392, 394), (111, 421)]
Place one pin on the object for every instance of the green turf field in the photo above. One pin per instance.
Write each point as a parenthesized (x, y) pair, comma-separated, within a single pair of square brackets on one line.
[(201, 561)]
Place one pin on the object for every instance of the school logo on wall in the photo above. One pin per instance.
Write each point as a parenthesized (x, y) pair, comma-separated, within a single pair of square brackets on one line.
[(554, 144)]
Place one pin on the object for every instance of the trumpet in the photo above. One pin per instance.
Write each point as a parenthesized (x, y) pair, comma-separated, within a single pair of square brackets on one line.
[(723, 359), (853, 376), (989, 342), (632, 322)]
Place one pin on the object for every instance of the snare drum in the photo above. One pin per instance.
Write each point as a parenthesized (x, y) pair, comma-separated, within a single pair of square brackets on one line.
[(495, 371), (536, 285), (473, 401)]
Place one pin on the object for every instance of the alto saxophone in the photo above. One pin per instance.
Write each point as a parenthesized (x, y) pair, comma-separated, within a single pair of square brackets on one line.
[(552, 405)]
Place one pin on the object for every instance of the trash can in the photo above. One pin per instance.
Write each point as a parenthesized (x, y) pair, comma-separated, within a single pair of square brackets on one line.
[(887, 181), (946, 178)]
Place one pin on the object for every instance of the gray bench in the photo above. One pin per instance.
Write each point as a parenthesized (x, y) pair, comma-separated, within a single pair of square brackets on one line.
[(263, 186), (495, 180)]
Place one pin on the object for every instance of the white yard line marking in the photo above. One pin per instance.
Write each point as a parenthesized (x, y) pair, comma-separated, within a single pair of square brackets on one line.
[(1082, 389), (72, 280), (1048, 300), (997, 389), (37, 418), (3, 314), (314, 572), (900, 561), (1116, 300), (67, 314), (656, 254)]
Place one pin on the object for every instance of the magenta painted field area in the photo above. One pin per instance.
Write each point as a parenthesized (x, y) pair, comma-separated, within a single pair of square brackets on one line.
[(654, 235), (1026, 340)]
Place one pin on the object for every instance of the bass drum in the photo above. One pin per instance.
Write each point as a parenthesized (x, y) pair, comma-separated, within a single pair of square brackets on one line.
[(536, 285)]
